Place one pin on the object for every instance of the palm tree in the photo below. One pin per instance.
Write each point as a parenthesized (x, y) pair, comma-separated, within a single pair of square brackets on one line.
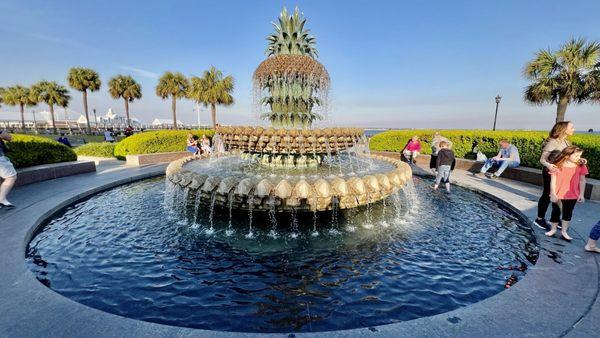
[(19, 96), (174, 85), (52, 94), (84, 79), (212, 89), (564, 76), (125, 87)]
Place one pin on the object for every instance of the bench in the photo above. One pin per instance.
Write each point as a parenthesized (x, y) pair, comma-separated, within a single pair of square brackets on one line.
[(521, 174), (46, 172)]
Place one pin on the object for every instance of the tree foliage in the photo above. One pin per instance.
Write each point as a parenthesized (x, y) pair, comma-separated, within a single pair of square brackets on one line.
[(212, 89), (568, 75)]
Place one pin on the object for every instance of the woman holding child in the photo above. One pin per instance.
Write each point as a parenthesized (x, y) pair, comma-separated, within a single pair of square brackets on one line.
[(555, 143)]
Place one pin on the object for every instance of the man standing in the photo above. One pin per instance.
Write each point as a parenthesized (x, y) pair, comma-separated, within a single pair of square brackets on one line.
[(508, 157), (8, 174)]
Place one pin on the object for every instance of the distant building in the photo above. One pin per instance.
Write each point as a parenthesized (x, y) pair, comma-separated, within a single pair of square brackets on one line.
[(114, 120), (165, 123)]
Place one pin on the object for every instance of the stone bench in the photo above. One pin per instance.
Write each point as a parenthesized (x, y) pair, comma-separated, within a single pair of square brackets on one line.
[(46, 172), (144, 159), (521, 174)]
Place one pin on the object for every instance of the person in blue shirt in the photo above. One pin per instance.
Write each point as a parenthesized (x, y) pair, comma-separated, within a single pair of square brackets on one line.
[(64, 140), (508, 157)]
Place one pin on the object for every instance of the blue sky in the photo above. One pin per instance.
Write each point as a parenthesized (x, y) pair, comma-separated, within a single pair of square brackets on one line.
[(396, 64)]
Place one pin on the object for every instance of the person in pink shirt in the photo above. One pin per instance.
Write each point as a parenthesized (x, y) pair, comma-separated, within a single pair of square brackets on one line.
[(567, 186), (412, 149)]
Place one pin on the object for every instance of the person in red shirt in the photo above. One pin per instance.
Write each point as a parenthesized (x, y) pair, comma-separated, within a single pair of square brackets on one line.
[(412, 149), (567, 186)]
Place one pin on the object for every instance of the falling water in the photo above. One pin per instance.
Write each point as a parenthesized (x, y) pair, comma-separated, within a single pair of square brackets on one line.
[(211, 214), (230, 230), (294, 233), (369, 223), (384, 223), (272, 218), (315, 233), (197, 201), (339, 158), (329, 161), (410, 193), (250, 206)]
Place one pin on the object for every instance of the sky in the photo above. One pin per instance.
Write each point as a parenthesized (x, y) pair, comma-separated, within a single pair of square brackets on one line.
[(393, 64)]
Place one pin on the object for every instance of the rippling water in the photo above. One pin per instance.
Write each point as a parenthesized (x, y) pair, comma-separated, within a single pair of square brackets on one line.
[(124, 252)]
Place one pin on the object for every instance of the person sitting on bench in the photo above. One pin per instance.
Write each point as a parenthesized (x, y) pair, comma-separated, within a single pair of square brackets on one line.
[(508, 157)]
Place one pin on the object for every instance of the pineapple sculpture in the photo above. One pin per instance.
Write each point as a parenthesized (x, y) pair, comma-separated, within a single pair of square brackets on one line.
[(291, 83)]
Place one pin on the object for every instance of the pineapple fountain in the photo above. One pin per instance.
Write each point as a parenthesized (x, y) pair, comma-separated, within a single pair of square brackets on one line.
[(288, 166)]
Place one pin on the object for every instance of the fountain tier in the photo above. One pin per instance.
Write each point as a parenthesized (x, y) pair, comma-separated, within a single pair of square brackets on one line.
[(229, 181)]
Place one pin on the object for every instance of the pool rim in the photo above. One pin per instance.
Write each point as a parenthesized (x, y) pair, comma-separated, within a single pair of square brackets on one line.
[(49, 215)]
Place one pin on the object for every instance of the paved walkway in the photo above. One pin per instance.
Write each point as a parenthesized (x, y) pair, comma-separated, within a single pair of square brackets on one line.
[(558, 297)]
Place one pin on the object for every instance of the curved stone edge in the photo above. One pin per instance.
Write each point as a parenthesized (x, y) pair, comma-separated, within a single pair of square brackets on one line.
[(267, 194), (494, 316)]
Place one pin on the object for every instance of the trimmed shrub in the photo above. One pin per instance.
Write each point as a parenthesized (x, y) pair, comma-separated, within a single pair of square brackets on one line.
[(28, 150), (97, 149), (161, 141), (529, 144)]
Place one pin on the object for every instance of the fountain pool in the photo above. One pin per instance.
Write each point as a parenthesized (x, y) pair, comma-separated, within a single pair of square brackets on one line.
[(130, 252)]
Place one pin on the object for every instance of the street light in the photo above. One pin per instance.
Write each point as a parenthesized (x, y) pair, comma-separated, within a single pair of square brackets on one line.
[(498, 98), (96, 120), (34, 122), (198, 112)]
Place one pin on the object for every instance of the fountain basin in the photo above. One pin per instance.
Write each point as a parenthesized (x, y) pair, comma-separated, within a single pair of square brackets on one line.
[(211, 183)]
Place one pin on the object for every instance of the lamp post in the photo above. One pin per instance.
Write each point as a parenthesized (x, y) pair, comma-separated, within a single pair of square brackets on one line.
[(497, 98), (95, 119), (198, 113), (34, 122)]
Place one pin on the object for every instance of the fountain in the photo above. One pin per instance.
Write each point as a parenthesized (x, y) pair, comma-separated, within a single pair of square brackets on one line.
[(290, 166), (293, 229)]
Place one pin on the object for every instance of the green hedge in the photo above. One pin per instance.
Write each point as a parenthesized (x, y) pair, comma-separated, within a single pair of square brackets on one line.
[(160, 141), (27, 151), (97, 149), (529, 144)]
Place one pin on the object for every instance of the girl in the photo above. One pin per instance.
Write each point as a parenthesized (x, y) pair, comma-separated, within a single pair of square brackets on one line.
[(412, 149), (567, 185), (205, 145)]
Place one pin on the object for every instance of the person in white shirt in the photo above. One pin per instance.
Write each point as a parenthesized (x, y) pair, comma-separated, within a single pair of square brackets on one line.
[(8, 174)]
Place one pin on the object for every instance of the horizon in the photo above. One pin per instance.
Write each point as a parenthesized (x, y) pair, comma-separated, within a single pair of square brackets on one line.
[(434, 65)]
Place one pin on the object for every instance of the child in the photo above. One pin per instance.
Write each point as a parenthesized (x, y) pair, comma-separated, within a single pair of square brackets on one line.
[(444, 161), (593, 239), (412, 149), (567, 185)]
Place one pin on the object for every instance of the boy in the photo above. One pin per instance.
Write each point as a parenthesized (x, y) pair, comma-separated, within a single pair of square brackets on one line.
[(445, 159)]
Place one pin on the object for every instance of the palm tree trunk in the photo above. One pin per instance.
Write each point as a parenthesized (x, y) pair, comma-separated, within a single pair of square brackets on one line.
[(85, 108), (213, 114), (127, 112), (561, 109), (52, 115), (174, 109), (23, 117)]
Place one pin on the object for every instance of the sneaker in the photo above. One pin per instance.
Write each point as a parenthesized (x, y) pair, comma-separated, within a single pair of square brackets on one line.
[(494, 176), (542, 224), (488, 175)]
